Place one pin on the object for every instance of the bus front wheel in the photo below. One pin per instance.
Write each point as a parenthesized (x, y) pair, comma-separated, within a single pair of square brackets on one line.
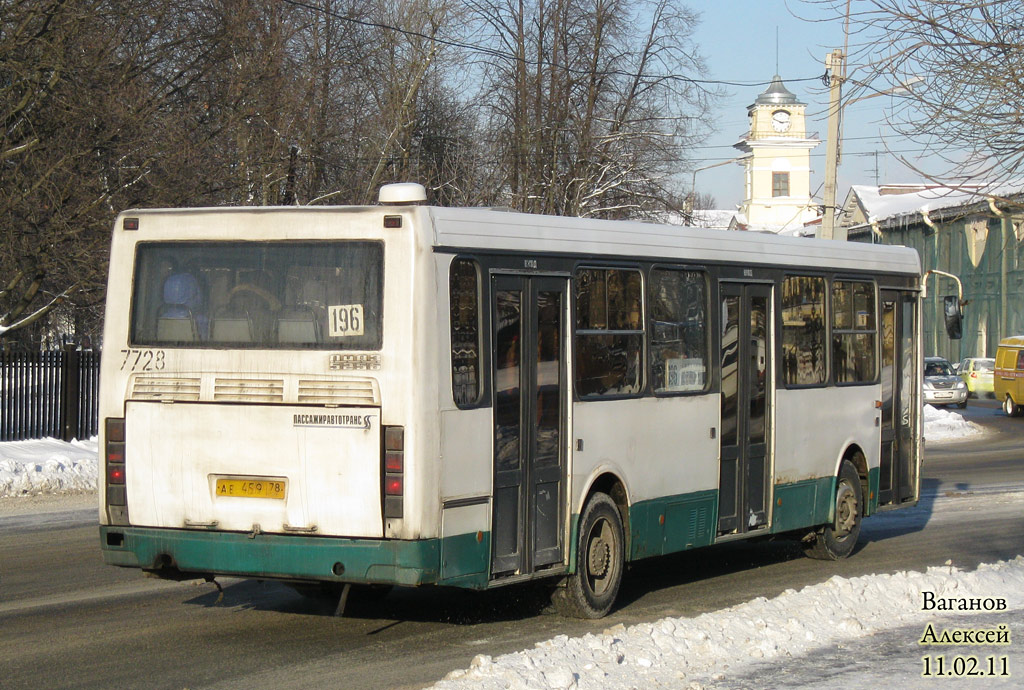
[(1011, 408), (600, 561), (838, 539)]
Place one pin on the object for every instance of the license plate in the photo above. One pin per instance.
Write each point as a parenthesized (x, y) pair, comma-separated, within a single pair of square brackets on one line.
[(943, 395), (254, 487)]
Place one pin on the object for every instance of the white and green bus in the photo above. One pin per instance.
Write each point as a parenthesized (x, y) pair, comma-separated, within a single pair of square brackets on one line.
[(411, 395)]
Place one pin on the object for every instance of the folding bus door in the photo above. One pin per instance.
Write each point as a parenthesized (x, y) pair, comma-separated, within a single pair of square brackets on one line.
[(746, 396), (529, 374)]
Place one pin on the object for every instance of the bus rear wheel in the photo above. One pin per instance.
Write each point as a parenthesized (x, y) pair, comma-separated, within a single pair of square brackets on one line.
[(838, 539), (600, 561), (1011, 408)]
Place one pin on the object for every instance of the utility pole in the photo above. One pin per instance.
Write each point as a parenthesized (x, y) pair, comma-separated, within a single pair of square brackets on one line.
[(835, 64)]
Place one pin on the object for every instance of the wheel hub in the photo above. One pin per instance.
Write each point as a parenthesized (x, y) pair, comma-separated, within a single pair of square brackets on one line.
[(599, 557), (846, 510)]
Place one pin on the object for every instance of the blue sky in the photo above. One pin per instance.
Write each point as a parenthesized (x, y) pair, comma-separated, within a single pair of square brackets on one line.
[(737, 38)]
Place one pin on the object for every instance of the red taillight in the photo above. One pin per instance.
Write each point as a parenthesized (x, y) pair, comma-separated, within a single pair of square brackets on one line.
[(393, 486), (974, 374), (394, 471), (394, 462)]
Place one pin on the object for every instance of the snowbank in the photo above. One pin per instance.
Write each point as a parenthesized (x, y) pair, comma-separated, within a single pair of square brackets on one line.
[(944, 425), (47, 466), (686, 652)]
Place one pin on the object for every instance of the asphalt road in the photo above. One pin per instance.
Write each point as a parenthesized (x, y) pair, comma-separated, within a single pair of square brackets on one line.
[(68, 621)]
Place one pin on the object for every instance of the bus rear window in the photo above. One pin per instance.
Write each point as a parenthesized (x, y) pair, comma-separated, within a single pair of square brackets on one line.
[(269, 295)]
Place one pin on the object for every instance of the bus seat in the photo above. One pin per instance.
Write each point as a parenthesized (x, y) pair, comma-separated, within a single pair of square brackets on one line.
[(231, 328), (174, 323), (297, 325)]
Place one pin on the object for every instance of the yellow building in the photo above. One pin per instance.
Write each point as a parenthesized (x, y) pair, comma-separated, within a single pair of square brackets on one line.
[(777, 164)]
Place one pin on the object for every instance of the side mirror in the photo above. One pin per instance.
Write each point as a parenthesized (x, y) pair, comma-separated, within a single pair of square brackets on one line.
[(954, 316)]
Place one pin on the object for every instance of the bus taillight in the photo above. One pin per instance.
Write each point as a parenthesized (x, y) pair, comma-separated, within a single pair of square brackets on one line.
[(394, 469), (114, 455)]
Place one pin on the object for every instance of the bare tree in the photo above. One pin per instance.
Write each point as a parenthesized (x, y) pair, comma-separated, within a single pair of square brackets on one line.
[(79, 81), (956, 68), (594, 103)]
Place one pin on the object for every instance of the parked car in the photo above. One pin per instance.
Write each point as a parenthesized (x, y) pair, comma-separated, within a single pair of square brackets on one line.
[(1008, 381), (977, 374), (941, 385)]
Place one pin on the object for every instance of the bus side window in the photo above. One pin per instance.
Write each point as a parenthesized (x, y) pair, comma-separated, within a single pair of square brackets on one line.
[(803, 331), (609, 335), (679, 342), (464, 298), (853, 332)]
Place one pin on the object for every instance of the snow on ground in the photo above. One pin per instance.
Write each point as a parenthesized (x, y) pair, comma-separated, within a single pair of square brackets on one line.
[(47, 466), (944, 425), (749, 639)]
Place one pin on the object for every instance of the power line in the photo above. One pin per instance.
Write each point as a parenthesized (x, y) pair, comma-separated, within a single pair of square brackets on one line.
[(492, 52)]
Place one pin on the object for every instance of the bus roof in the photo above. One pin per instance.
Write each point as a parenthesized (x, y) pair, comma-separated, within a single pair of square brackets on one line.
[(499, 230)]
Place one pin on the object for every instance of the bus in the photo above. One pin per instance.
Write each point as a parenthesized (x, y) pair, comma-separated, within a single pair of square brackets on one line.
[(401, 394)]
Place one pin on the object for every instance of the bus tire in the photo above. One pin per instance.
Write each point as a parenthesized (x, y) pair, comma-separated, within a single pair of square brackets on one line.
[(600, 561), (838, 539), (1011, 408)]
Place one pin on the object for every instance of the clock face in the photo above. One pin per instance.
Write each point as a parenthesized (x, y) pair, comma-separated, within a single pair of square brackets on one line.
[(780, 120)]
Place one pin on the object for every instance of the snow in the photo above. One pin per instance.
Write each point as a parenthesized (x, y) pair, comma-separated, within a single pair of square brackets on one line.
[(741, 646), (881, 203), (694, 652), (944, 425), (47, 466)]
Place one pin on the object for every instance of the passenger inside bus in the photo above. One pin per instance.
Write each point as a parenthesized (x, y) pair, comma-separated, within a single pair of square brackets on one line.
[(258, 304), (182, 316)]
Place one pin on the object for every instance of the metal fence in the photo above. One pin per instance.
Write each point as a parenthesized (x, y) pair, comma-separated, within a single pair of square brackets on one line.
[(49, 394)]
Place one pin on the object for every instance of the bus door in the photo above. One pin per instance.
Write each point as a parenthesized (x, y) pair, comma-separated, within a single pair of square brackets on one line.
[(897, 478), (746, 385), (529, 374)]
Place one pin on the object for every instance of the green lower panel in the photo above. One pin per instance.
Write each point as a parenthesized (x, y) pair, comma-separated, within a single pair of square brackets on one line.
[(466, 560), (673, 523), (871, 500), (298, 557), (803, 504)]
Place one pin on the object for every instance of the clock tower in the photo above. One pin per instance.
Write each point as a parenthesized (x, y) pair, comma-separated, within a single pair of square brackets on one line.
[(777, 163)]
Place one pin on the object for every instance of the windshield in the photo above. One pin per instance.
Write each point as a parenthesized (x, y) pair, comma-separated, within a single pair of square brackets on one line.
[(271, 295), (942, 368)]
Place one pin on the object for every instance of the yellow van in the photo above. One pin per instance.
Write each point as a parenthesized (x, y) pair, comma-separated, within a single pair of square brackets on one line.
[(1008, 382)]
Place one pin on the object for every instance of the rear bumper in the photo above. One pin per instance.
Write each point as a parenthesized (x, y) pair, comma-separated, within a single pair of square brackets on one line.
[(272, 556)]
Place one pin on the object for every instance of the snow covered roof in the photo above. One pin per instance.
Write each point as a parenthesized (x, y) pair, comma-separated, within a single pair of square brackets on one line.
[(740, 222), (713, 218), (888, 203)]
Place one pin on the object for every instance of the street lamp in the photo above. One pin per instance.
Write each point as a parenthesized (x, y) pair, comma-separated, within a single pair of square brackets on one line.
[(693, 184)]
